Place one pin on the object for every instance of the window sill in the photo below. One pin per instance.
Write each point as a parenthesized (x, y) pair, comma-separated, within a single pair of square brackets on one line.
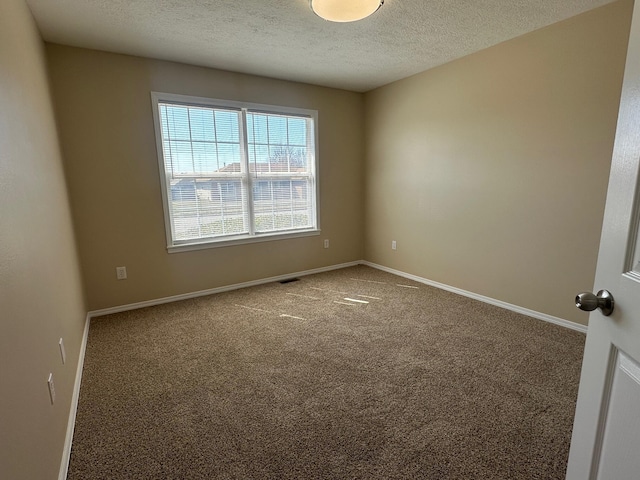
[(267, 237)]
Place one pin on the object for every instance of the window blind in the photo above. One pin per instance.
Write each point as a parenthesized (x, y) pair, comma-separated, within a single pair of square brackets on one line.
[(233, 172)]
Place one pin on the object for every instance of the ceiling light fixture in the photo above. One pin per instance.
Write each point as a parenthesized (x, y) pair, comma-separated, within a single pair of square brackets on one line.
[(345, 10)]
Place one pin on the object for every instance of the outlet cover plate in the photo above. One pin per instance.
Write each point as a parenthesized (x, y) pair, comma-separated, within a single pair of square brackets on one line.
[(52, 388), (63, 354), (121, 273)]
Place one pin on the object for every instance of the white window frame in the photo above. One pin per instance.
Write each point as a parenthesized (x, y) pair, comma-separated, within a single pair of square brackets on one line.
[(252, 237)]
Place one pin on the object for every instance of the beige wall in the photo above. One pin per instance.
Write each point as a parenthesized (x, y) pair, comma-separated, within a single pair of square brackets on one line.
[(103, 108), (40, 290), (491, 172)]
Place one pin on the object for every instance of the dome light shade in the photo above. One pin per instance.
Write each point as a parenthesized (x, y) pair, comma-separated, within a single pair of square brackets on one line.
[(345, 10)]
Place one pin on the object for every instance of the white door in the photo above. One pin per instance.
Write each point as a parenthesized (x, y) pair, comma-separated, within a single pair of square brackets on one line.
[(606, 431)]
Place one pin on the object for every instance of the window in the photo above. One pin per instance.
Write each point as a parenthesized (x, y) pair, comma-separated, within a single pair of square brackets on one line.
[(234, 173)]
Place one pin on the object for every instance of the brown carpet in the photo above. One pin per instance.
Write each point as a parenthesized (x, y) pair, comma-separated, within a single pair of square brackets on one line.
[(293, 381)]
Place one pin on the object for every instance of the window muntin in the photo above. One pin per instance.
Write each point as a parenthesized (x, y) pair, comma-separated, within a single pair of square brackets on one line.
[(233, 172)]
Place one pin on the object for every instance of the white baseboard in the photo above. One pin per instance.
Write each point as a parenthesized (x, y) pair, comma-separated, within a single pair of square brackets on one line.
[(71, 424), (492, 301), (211, 291), (499, 303)]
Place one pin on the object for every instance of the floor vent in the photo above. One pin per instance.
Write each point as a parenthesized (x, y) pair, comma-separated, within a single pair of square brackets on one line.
[(289, 280)]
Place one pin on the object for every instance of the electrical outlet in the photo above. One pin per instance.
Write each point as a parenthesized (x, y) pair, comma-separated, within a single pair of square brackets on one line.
[(63, 354), (326, 243), (52, 388), (394, 245), (121, 273)]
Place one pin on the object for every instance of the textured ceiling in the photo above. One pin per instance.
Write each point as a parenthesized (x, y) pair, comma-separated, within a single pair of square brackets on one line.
[(284, 39)]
